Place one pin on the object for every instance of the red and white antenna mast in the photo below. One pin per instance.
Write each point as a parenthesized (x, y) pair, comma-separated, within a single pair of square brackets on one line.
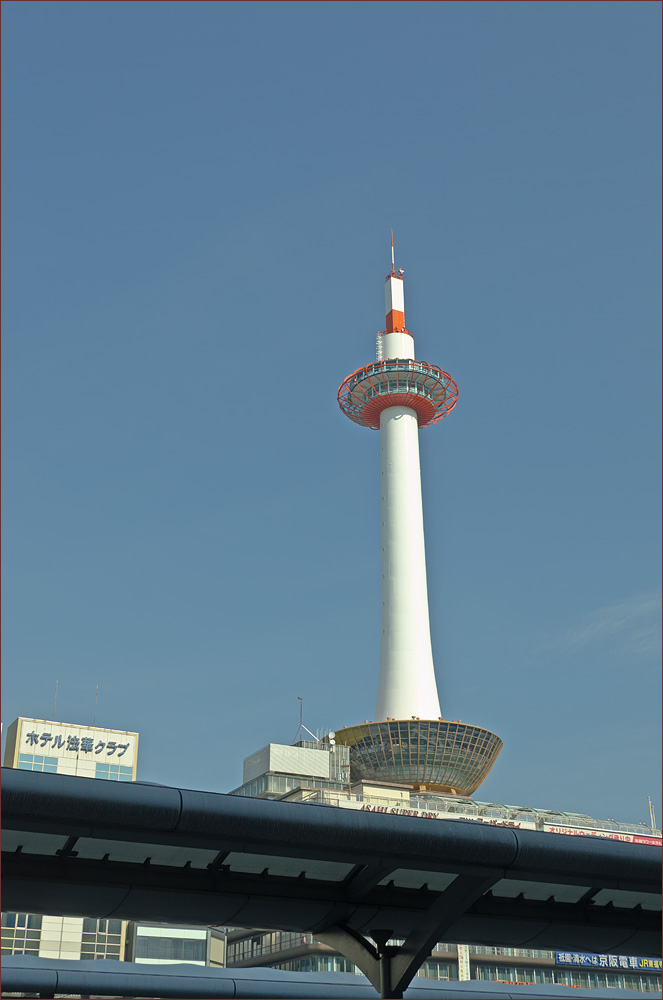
[(394, 300)]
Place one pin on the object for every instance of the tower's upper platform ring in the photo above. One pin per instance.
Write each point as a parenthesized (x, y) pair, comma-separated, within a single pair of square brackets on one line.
[(428, 390)]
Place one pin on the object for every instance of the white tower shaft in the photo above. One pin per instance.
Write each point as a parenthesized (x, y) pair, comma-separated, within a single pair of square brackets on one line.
[(407, 678)]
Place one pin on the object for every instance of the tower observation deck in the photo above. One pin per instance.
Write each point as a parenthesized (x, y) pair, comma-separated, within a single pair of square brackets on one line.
[(410, 742)]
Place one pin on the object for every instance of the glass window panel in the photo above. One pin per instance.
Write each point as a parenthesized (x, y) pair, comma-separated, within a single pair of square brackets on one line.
[(334, 871), (170, 948), (405, 878), (539, 890), (628, 898), (193, 950), (161, 854)]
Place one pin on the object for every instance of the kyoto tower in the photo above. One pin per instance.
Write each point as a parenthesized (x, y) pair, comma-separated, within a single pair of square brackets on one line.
[(409, 743)]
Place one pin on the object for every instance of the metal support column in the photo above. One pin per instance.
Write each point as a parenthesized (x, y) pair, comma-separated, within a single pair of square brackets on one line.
[(391, 968)]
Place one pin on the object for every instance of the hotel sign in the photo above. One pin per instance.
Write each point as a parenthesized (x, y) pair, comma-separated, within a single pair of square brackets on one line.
[(47, 742), (44, 738)]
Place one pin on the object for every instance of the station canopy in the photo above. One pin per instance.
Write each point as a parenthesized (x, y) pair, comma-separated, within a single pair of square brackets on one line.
[(82, 847)]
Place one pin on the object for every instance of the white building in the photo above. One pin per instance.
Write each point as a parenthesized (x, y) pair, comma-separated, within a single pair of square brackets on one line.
[(88, 752)]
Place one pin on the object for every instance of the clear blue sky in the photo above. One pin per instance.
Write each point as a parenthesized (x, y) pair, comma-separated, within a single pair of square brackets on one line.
[(197, 204)]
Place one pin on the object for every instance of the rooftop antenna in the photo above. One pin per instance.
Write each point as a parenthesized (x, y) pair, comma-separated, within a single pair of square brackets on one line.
[(302, 727), (55, 698), (651, 814), (393, 268), (96, 696)]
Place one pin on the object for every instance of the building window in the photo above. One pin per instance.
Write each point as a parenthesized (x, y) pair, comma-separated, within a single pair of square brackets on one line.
[(37, 762), (319, 963), (432, 969), (20, 933), (114, 772), (93, 926), (101, 939), (569, 977), (29, 921), (173, 949)]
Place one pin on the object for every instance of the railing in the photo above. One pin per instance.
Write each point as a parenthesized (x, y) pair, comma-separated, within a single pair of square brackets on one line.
[(492, 813)]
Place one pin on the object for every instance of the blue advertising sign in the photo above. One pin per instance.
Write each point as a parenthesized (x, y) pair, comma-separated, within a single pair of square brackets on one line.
[(622, 962)]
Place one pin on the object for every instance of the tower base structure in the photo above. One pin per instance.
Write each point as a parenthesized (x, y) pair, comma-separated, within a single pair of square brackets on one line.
[(427, 754)]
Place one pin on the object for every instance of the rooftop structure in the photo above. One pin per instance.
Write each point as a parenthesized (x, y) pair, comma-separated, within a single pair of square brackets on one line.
[(409, 741), (293, 774)]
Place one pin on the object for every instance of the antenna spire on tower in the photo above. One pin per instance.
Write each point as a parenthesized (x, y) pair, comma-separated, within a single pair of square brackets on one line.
[(393, 298)]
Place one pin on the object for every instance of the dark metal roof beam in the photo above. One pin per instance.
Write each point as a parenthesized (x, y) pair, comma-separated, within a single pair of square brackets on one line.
[(443, 913), (391, 969), (33, 884), (365, 878)]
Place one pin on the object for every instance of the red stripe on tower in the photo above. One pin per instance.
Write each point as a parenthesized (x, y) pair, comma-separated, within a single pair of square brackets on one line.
[(394, 300), (394, 303)]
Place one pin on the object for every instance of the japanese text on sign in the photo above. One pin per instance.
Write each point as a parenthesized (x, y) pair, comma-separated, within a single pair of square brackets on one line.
[(628, 838), (83, 744), (607, 961)]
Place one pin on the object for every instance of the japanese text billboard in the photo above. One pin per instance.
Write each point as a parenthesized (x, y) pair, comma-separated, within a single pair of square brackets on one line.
[(614, 962)]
